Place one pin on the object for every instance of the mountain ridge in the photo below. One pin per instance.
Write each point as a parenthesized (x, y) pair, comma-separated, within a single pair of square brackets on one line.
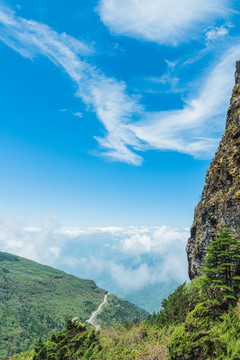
[(36, 300)]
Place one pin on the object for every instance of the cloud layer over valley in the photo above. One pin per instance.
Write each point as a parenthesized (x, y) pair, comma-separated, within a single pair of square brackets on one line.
[(121, 259)]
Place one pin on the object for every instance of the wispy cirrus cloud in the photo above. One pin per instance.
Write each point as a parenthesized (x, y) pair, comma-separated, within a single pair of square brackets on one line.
[(129, 128), (165, 22), (193, 129), (106, 96)]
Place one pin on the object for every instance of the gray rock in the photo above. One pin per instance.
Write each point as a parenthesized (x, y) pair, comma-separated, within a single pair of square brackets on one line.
[(220, 202)]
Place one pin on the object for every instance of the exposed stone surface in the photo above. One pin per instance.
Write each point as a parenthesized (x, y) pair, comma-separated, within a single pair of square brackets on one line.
[(220, 202)]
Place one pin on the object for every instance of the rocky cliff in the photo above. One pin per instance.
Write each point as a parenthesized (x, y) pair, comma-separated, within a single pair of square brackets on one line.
[(220, 202)]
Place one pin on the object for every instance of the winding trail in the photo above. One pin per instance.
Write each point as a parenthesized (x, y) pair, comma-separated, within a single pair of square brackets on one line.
[(93, 318)]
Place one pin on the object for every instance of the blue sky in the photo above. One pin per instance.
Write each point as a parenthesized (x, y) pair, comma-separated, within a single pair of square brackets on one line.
[(110, 114)]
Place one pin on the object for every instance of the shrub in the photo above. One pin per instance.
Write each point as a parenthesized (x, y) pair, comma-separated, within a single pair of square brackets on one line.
[(192, 340)]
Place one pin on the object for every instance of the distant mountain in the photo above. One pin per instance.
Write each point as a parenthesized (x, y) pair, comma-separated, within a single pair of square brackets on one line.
[(36, 300), (151, 296)]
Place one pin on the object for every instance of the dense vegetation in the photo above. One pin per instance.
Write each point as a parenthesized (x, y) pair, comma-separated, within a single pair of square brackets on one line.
[(212, 329), (222, 265), (36, 300), (73, 342), (116, 312), (177, 332), (199, 321), (136, 340)]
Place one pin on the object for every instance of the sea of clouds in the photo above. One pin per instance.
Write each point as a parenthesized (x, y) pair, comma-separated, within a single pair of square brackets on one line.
[(121, 259)]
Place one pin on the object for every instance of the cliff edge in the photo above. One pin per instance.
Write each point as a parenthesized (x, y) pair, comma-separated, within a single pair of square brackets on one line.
[(220, 202)]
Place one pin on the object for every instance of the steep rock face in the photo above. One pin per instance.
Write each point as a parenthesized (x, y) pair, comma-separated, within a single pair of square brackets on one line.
[(220, 202)]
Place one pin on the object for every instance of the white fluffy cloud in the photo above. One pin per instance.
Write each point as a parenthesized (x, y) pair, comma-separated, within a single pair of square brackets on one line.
[(35, 243), (124, 258), (161, 21), (157, 255), (130, 279), (217, 33), (154, 240)]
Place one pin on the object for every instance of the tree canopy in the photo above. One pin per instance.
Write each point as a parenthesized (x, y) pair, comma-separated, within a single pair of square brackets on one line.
[(222, 264)]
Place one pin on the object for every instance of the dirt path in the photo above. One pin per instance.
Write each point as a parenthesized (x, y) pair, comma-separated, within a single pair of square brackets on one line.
[(93, 318)]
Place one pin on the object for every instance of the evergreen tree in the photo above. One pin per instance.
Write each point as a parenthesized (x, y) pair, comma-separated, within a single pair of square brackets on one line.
[(222, 264)]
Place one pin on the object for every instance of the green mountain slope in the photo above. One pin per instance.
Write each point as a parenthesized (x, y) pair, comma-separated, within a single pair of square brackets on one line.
[(194, 323), (36, 300)]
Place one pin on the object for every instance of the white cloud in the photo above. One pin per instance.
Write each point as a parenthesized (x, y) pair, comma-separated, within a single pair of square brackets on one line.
[(32, 229), (75, 231), (35, 243), (217, 33), (154, 240), (133, 257), (78, 114), (127, 258), (118, 231), (161, 21), (128, 127), (129, 279), (106, 96), (29, 38), (192, 129)]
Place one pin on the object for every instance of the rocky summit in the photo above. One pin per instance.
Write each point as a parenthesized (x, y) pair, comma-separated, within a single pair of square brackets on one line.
[(220, 202)]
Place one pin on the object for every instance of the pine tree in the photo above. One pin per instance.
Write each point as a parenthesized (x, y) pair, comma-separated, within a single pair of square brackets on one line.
[(222, 264)]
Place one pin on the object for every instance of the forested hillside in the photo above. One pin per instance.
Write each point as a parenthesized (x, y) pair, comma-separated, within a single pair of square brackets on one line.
[(36, 300), (199, 321)]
